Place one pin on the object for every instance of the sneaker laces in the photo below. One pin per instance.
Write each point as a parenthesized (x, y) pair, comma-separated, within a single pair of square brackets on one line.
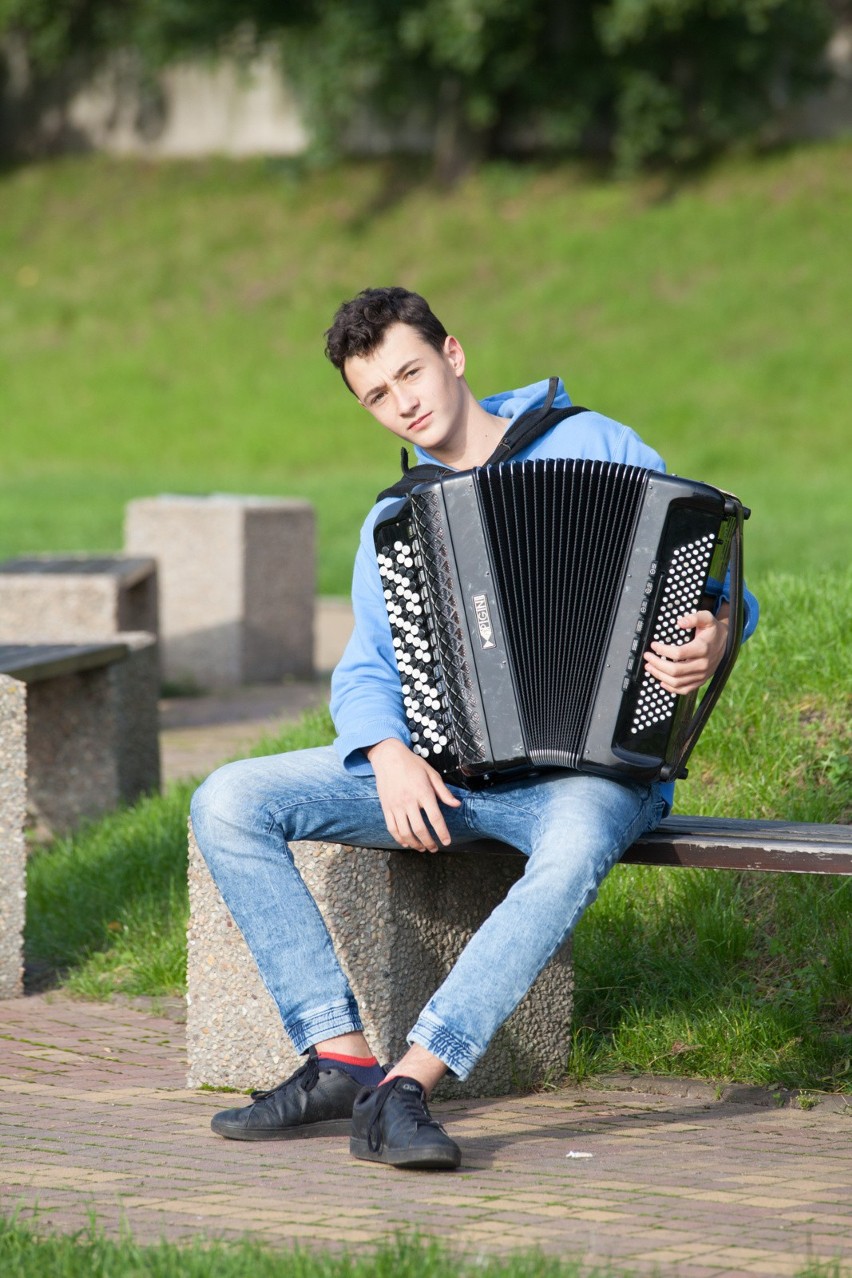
[(413, 1102), (307, 1075)]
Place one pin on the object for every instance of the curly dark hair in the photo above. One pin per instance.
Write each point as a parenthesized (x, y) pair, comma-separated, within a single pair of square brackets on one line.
[(359, 326)]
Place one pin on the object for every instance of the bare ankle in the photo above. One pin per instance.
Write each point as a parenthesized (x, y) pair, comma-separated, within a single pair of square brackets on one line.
[(354, 1044), (421, 1065)]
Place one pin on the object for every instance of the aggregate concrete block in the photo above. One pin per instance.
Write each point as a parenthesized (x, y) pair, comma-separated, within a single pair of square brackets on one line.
[(398, 922), (92, 737), (68, 598), (13, 802), (237, 584)]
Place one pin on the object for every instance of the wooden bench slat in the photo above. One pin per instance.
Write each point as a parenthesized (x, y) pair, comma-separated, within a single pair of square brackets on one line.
[(719, 857), (735, 831), (728, 843)]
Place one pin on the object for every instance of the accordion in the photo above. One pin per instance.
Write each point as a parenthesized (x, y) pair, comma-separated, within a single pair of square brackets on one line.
[(521, 599)]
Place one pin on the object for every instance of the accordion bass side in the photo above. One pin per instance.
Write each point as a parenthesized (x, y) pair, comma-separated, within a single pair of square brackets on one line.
[(521, 599)]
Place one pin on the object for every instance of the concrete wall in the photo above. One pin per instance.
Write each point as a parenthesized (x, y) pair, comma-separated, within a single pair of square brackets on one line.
[(219, 108), (211, 107)]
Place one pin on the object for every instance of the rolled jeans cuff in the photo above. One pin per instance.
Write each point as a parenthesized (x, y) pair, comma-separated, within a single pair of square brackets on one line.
[(322, 1023), (458, 1054)]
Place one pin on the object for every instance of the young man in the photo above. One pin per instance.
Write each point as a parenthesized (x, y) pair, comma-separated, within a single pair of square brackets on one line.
[(371, 789)]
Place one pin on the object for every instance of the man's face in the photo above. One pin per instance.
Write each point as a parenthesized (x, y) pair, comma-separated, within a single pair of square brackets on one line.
[(413, 390)]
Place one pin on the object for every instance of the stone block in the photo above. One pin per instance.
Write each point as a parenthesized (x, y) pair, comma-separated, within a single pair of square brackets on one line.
[(92, 732), (398, 922), (69, 598), (237, 584), (13, 783)]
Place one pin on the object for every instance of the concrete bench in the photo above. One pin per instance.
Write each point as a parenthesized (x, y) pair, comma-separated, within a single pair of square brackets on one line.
[(13, 855), (91, 725), (76, 598), (399, 920), (236, 580)]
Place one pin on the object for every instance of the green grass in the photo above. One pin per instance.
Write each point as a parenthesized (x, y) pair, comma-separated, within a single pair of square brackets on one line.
[(107, 907), (741, 976), (161, 330), (721, 975), (25, 1254)]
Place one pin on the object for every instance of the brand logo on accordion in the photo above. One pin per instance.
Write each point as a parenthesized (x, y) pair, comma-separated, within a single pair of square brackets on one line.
[(483, 620)]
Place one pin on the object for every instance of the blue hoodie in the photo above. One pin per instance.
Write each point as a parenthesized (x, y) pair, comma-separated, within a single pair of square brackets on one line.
[(366, 698)]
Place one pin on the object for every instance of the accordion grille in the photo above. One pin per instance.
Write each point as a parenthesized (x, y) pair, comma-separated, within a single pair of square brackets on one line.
[(560, 541)]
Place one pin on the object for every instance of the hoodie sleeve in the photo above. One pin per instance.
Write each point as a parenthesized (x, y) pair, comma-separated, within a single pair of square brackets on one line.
[(366, 696), (721, 593)]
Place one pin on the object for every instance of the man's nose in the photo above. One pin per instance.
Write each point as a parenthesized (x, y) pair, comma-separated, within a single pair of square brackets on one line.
[(407, 399)]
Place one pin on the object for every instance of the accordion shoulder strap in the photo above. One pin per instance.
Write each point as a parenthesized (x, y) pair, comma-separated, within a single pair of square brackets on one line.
[(525, 430)]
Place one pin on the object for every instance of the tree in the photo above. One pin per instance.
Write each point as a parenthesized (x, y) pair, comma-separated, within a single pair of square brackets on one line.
[(644, 80), (691, 76)]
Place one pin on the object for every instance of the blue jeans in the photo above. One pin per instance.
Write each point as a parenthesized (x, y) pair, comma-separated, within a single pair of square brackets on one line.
[(571, 827)]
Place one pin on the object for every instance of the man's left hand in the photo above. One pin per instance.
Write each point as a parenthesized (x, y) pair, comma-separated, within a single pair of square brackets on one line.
[(684, 668)]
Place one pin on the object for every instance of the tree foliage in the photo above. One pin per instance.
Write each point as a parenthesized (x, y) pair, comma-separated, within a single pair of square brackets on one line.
[(643, 80)]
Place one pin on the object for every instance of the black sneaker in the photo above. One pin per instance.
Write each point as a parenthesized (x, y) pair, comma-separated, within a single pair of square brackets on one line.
[(311, 1102), (392, 1124)]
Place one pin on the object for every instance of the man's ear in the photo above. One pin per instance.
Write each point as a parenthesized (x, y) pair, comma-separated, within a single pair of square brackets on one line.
[(455, 354)]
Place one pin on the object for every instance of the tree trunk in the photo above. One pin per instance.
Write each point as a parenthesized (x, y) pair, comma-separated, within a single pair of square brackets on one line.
[(457, 147)]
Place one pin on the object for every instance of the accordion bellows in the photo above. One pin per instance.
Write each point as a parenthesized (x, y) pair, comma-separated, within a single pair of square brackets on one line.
[(521, 598)]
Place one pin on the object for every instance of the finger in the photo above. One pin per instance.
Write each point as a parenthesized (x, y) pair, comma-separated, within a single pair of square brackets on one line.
[(422, 836), (689, 621), (677, 652), (435, 817), (440, 787), (399, 828), (669, 672), (403, 834), (431, 811), (392, 826), (685, 664), (426, 809), (703, 624), (675, 676), (696, 620), (683, 687)]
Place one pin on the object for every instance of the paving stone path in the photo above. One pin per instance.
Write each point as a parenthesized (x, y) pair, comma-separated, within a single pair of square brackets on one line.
[(94, 1117)]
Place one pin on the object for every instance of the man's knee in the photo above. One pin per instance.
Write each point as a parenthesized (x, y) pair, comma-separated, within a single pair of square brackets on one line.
[(225, 798)]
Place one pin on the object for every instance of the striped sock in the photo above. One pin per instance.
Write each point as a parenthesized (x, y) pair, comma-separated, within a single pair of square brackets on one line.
[(366, 1070)]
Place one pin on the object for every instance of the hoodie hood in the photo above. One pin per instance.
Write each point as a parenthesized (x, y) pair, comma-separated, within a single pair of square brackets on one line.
[(510, 404)]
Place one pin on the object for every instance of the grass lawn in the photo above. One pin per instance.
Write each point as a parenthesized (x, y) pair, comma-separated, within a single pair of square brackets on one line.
[(161, 330), (23, 1254)]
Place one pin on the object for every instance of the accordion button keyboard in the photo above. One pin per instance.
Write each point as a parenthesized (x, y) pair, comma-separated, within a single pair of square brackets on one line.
[(681, 594), (412, 630)]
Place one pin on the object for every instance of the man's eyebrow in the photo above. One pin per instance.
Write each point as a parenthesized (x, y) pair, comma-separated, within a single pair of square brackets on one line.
[(398, 373)]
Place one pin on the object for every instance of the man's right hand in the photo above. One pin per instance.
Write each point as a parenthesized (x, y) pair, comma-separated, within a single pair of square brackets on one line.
[(410, 792)]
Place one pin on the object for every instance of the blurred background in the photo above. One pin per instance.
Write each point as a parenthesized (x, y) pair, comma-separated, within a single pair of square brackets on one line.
[(649, 198)]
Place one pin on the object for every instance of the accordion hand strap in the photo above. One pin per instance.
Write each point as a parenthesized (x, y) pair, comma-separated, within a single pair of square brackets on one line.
[(525, 430)]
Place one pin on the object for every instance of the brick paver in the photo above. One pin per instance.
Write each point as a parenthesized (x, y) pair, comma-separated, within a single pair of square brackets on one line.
[(94, 1117)]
